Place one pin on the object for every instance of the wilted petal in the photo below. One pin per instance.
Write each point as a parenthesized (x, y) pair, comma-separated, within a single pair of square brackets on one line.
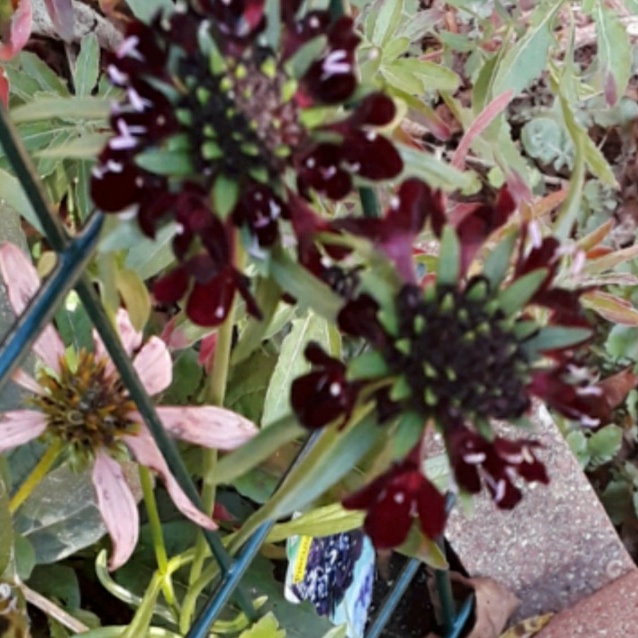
[(16, 32), (117, 507), (20, 426), (153, 364), (22, 282), (26, 381), (208, 426), (148, 454)]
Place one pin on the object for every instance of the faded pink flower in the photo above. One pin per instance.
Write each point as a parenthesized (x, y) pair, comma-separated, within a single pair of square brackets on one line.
[(85, 404)]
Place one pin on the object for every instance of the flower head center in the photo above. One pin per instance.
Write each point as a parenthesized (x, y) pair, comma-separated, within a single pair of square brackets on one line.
[(457, 356), (87, 407), (240, 119)]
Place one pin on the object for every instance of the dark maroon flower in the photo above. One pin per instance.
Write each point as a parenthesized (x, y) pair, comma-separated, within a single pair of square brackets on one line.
[(476, 227), (396, 233), (323, 395), (394, 500), (228, 117), (332, 78), (463, 350), (206, 273), (494, 463)]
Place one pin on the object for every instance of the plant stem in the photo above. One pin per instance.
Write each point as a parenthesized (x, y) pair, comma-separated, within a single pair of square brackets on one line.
[(158, 537), (214, 393), (37, 474)]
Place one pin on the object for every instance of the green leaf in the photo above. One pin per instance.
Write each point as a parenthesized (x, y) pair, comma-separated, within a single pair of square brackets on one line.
[(497, 263), (144, 10), (12, 194), (388, 18), (435, 172), (614, 52), (57, 581), (225, 195), (368, 365), (66, 108), (553, 337), (449, 266), (611, 307), (60, 517), (187, 378), (334, 454), (425, 549), (265, 627), (409, 431), (604, 444), (74, 324), (135, 296), (258, 449), (520, 291), (527, 59), (29, 74), (87, 66), (165, 162), (297, 281), (87, 146), (292, 363), (299, 621), (577, 442), (150, 256), (6, 528), (267, 295), (321, 521), (622, 343), (24, 555)]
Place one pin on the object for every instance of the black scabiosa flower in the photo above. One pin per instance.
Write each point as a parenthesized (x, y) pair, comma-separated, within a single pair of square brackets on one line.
[(208, 100), (463, 347)]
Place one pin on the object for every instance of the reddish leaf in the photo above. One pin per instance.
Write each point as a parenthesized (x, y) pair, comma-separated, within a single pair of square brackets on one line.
[(611, 307), (61, 13), (616, 387), (16, 30), (4, 88), (484, 119)]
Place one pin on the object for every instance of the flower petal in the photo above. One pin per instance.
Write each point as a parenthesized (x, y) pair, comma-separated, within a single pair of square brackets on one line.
[(208, 426), (153, 364), (26, 381), (20, 426), (22, 282), (148, 454), (117, 507), (130, 337)]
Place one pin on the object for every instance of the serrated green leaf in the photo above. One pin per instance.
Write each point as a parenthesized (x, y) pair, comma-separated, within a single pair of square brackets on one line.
[(604, 444), (87, 66), (266, 627), (388, 18), (12, 194), (526, 60), (65, 108), (309, 291), (87, 146), (614, 52), (291, 363)]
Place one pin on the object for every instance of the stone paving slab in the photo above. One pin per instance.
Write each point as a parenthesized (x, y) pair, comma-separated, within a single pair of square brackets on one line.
[(556, 547), (611, 612)]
